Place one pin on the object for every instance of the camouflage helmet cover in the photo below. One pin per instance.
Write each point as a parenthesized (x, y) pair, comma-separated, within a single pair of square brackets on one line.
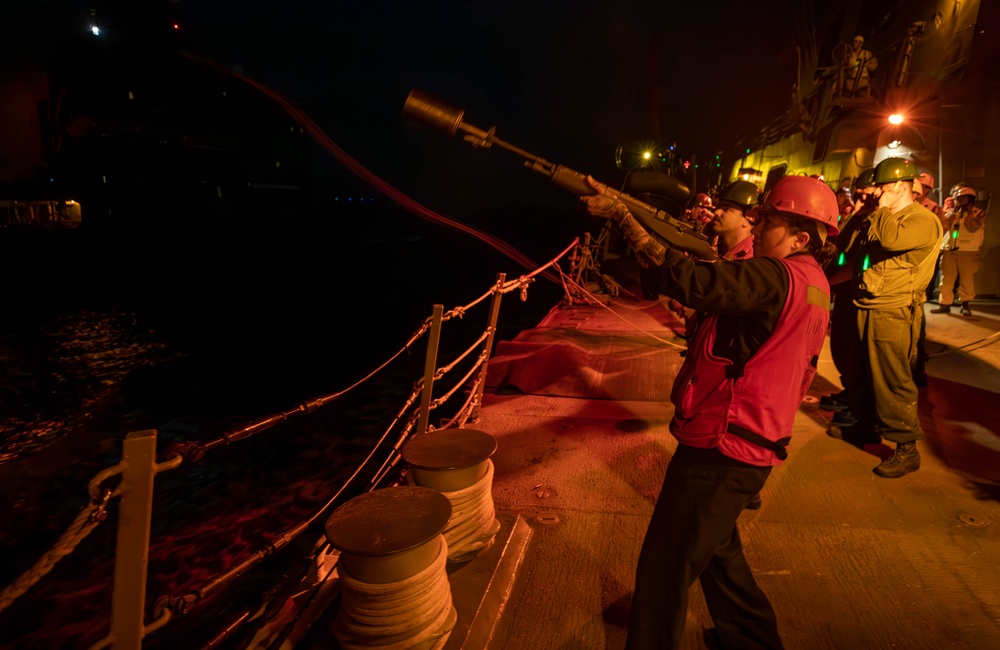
[(891, 170), (865, 179), (743, 193)]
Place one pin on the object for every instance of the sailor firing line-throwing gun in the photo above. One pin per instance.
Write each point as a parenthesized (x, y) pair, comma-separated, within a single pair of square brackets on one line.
[(421, 107)]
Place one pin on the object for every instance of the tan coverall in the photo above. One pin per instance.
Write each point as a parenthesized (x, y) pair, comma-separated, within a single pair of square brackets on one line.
[(901, 250)]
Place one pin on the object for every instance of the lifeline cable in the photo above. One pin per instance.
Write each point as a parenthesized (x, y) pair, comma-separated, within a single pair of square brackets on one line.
[(986, 341), (600, 304), (369, 177), (82, 526)]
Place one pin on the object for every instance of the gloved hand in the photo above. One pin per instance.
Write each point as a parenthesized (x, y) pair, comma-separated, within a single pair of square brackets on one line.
[(649, 252), (603, 205)]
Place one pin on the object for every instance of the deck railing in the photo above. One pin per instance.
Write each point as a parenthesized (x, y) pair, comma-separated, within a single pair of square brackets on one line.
[(132, 480)]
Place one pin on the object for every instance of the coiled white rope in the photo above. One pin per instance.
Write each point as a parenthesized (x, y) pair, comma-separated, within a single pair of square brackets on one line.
[(473, 522), (417, 608)]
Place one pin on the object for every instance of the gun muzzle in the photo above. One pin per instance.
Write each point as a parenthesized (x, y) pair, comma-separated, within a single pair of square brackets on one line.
[(421, 107)]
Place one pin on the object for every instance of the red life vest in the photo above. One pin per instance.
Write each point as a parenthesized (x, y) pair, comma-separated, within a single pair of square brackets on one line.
[(742, 250), (718, 404)]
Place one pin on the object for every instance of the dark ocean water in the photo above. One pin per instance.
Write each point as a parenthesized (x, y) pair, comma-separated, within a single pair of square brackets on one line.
[(195, 332)]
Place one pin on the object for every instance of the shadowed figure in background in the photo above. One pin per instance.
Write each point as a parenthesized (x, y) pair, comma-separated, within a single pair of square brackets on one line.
[(857, 67), (728, 228), (843, 316), (961, 251)]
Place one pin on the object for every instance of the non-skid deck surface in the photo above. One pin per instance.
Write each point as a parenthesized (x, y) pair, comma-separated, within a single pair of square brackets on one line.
[(849, 560)]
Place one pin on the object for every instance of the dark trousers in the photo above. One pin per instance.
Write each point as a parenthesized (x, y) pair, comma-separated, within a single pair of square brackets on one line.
[(932, 286), (693, 535), (920, 360), (650, 281), (843, 321)]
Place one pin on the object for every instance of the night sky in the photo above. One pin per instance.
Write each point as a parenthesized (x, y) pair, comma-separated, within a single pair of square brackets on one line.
[(566, 80)]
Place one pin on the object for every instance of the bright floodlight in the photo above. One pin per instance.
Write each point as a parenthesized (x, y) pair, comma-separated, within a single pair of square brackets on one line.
[(647, 155), (894, 144), (95, 30), (896, 118)]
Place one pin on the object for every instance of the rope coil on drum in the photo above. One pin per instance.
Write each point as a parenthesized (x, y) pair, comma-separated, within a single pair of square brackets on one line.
[(410, 613), (473, 522)]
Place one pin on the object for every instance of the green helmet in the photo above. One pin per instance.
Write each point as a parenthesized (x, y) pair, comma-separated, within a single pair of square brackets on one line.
[(865, 179), (743, 193), (891, 170)]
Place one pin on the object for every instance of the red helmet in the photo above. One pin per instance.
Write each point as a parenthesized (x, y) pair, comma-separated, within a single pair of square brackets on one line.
[(703, 201), (806, 197), (926, 180), (966, 191)]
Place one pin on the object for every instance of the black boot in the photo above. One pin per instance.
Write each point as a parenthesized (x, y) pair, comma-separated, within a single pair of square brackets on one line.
[(943, 309), (835, 402), (966, 310), (843, 419), (855, 435), (904, 459)]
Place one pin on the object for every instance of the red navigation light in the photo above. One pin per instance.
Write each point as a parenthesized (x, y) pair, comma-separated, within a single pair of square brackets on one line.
[(176, 27)]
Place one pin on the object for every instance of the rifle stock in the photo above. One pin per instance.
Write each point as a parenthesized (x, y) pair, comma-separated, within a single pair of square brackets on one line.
[(429, 111)]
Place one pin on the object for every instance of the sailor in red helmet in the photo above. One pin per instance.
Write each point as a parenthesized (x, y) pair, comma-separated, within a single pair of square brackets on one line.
[(922, 187), (735, 400), (961, 251), (701, 210)]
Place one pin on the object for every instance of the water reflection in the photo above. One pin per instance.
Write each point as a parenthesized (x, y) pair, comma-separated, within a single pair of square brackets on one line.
[(54, 377)]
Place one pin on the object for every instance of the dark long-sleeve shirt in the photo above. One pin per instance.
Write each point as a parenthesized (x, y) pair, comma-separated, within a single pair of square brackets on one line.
[(749, 296)]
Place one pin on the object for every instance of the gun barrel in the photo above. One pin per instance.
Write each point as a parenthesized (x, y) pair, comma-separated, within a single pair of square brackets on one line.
[(430, 111), (423, 108)]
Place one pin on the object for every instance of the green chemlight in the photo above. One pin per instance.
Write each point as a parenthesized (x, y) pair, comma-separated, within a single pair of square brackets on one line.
[(840, 260), (864, 267), (954, 234)]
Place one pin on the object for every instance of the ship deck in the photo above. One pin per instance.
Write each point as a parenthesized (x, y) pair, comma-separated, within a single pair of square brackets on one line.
[(580, 408)]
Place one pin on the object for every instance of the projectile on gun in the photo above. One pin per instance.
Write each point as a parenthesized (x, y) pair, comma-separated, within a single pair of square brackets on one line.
[(421, 107)]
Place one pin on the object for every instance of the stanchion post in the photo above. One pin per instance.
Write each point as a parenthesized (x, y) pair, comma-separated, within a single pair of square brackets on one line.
[(578, 260), (491, 329), (430, 366), (132, 547)]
